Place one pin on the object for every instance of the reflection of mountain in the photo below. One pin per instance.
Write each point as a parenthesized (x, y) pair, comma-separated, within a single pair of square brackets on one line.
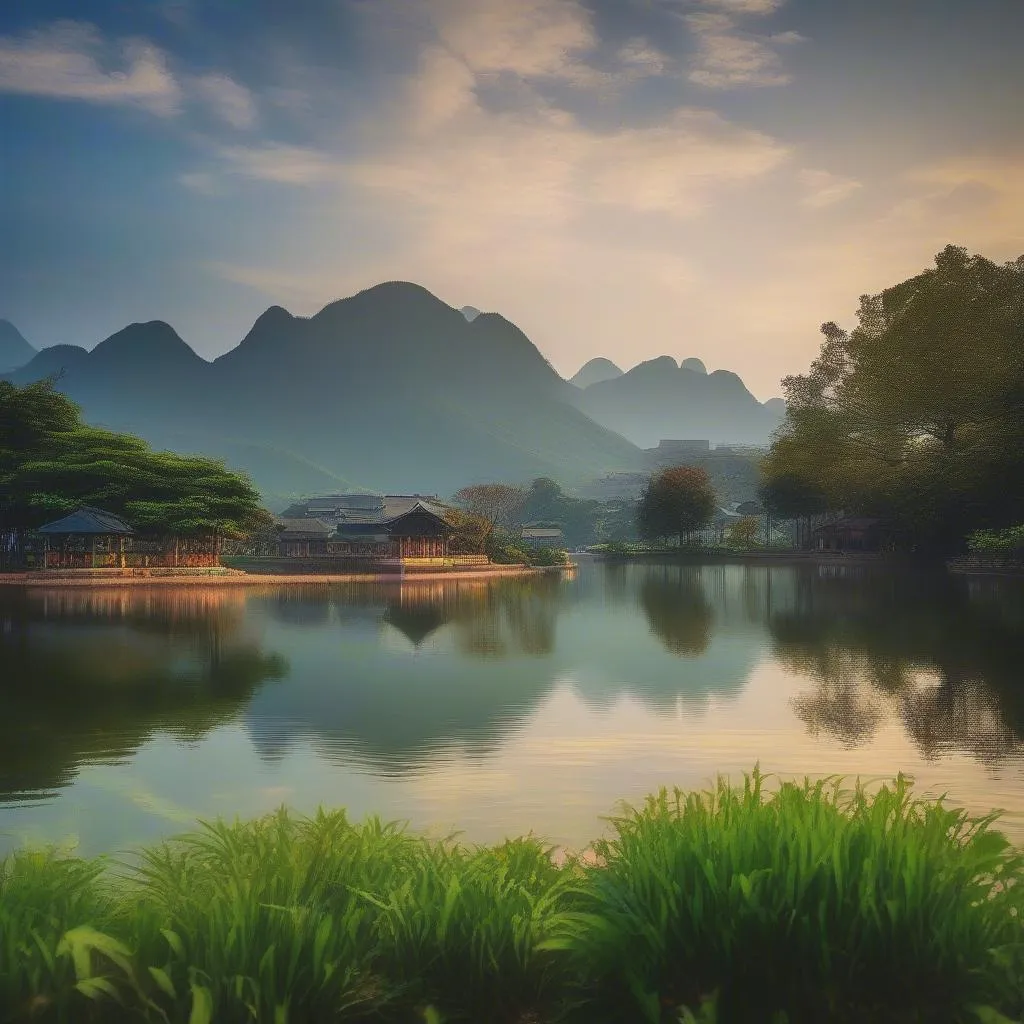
[(395, 712), (941, 653), (89, 676)]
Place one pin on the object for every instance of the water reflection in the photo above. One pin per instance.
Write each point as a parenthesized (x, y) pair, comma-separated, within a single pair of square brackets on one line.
[(941, 654), (89, 676), (677, 610), (482, 654), (403, 680)]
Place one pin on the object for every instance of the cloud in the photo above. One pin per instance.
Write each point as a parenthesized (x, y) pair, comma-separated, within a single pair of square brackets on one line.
[(745, 6), (231, 102), (825, 189), (62, 61), (275, 162), (530, 38), (726, 58)]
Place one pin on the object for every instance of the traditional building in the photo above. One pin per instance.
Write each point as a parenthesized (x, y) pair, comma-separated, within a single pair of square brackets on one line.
[(543, 536), (302, 538), (404, 527), (90, 538)]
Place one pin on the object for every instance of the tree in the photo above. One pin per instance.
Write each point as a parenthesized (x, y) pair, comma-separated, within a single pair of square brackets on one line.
[(917, 414), (50, 463), (675, 503), (743, 534), (493, 504), (790, 496)]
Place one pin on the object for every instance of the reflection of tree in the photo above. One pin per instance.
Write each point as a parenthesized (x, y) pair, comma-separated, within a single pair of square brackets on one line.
[(90, 676), (944, 651), (677, 610)]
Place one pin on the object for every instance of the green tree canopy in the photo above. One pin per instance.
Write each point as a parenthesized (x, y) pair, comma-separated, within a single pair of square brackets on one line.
[(917, 414), (50, 463), (675, 503)]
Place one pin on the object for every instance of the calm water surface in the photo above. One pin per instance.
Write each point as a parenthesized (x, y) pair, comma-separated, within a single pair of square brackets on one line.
[(498, 707)]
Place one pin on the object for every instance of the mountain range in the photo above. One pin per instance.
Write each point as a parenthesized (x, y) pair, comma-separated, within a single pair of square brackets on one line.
[(660, 399), (391, 390), (15, 351)]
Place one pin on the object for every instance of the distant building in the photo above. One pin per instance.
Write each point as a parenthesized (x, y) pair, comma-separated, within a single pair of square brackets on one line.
[(391, 526), (543, 536)]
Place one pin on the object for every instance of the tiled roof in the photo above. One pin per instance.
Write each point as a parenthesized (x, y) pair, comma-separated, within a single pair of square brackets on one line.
[(362, 508), (88, 520), (289, 527)]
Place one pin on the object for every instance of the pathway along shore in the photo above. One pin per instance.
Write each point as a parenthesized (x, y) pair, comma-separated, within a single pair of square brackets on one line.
[(237, 578)]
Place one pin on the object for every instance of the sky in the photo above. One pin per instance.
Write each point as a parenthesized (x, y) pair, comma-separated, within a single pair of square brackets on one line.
[(619, 178)]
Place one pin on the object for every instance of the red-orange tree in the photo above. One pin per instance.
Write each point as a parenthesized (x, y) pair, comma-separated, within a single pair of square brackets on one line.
[(675, 503)]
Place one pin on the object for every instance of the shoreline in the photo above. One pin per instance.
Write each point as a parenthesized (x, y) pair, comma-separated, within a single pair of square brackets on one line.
[(244, 579)]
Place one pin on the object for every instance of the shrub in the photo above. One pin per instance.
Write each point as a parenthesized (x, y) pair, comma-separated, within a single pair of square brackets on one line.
[(548, 556), (1007, 543)]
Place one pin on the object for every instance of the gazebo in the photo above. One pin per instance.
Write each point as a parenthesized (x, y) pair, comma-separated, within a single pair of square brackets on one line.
[(88, 538)]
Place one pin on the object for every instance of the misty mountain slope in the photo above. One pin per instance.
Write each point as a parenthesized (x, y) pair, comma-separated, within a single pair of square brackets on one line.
[(659, 399), (15, 351), (390, 388), (594, 371)]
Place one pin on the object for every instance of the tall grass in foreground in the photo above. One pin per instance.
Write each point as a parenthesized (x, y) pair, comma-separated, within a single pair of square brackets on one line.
[(819, 903), (811, 904)]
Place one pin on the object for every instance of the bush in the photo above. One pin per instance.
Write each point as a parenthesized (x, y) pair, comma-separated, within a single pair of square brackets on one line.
[(1007, 543), (548, 556)]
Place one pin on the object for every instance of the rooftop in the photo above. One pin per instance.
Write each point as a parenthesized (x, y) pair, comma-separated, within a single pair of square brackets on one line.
[(88, 520)]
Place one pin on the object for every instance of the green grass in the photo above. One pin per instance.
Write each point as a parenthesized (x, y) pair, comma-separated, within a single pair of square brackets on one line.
[(811, 903)]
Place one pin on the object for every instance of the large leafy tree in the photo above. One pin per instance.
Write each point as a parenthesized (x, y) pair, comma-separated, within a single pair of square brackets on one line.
[(675, 503), (50, 463), (917, 414), (492, 505)]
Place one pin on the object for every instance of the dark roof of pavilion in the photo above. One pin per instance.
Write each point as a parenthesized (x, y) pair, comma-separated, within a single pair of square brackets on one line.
[(88, 520), (363, 509)]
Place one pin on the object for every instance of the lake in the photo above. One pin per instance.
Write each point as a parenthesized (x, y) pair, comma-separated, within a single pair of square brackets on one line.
[(497, 707)]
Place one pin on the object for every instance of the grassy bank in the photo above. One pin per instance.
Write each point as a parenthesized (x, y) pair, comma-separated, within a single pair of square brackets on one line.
[(810, 903)]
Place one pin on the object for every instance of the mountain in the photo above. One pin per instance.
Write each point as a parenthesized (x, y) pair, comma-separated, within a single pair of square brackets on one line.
[(390, 389), (470, 313), (15, 351), (660, 400), (777, 406), (594, 371), (694, 364)]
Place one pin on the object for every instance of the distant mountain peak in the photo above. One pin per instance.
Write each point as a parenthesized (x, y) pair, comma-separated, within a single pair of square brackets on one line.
[(390, 297), (658, 365), (15, 351), (695, 364), (149, 341), (594, 371), (470, 312)]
